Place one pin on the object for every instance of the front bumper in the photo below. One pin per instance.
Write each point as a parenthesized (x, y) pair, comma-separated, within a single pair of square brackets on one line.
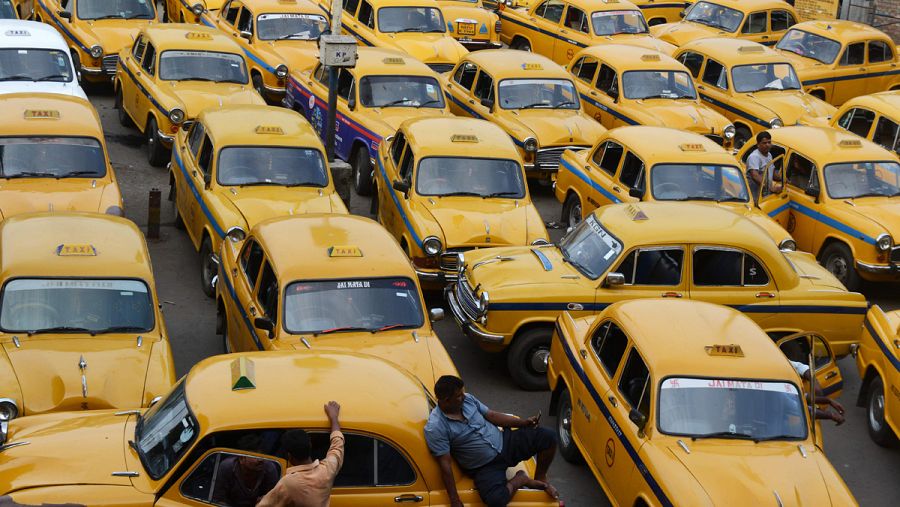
[(475, 45), (464, 323), (890, 270), (165, 139), (436, 276)]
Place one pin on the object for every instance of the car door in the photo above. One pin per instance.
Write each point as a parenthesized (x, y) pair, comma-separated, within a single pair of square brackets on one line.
[(779, 22), (404, 173), (713, 88), (796, 348), (346, 113), (851, 65), (363, 24), (649, 272), (482, 101), (241, 333), (186, 181), (387, 207), (773, 195), (574, 34), (606, 97), (887, 134), (881, 66), (145, 79), (546, 20), (459, 89), (201, 169), (605, 162), (756, 27), (264, 306), (801, 223), (317, 105), (632, 178), (629, 395), (130, 66), (226, 20), (733, 277), (585, 70)]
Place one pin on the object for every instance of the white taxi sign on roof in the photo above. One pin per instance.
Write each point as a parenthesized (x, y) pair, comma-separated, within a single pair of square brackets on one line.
[(463, 138), (532, 66), (17, 33), (344, 251), (76, 250), (691, 147), (41, 114), (730, 350), (197, 36), (269, 129)]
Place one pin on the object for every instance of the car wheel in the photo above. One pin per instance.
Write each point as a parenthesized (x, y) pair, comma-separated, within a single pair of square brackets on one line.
[(741, 136), (208, 268), (157, 154), (373, 207), (258, 85), (226, 345), (179, 222), (124, 119), (76, 62), (527, 359), (567, 447), (839, 261), (362, 172), (879, 430), (571, 215), (522, 45)]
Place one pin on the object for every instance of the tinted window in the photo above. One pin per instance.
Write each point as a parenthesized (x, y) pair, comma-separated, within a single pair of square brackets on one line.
[(149, 61), (245, 23), (756, 23), (232, 12), (484, 88), (632, 172), (585, 69), (715, 75), (576, 20), (608, 156), (350, 6), (368, 462), (465, 75), (886, 134), (693, 61), (406, 165), (251, 260), (855, 54), (782, 20), (879, 52), (267, 295), (551, 11), (799, 172), (859, 121), (653, 267), (635, 381), (345, 84), (609, 343), (607, 82), (397, 148), (205, 156), (195, 137), (366, 14), (138, 50), (725, 267)]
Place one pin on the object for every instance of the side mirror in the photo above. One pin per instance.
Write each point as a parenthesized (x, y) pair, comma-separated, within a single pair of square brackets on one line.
[(351, 103), (65, 15), (488, 103), (682, 13), (401, 186), (636, 192), (436, 314), (614, 279), (265, 324), (812, 192), (638, 418), (207, 179), (245, 35)]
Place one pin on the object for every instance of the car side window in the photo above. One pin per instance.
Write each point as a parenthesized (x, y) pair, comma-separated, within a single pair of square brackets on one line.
[(321, 74), (858, 120), (407, 164), (879, 51), (886, 133), (718, 267), (149, 61), (693, 61), (551, 11), (585, 68), (251, 260), (855, 54), (607, 157), (609, 343), (397, 148), (634, 384), (715, 74), (782, 20), (576, 20), (205, 157), (800, 171), (213, 480), (366, 15), (345, 84), (797, 350), (195, 137), (245, 21), (350, 6), (267, 293), (756, 23), (232, 13), (465, 75), (653, 266), (138, 50), (632, 175), (368, 461), (607, 81), (484, 88)]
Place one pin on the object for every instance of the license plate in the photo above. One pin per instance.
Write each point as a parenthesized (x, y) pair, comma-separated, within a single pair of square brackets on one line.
[(465, 28)]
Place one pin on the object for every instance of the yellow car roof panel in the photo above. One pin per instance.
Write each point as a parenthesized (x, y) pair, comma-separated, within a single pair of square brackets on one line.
[(730, 51), (453, 137), (190, 37), (47, 114), (628, 57), (282, 6), (841, 30), (753, 5), (258, 125), (371, 61), (662, 145), (824, 145), (512, 63), (591, 6), (886, 103)]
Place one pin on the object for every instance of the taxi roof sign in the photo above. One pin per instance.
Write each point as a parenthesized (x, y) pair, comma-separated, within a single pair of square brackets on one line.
[(729, 350), (41, 114), (850, 143), (751, 49), (691, 147), (532, 66), (198, 36), (243, 374), (393, 60), (17, 33), (269, 129), (76, 250), (650, 58), (464, 138), (344, 251)]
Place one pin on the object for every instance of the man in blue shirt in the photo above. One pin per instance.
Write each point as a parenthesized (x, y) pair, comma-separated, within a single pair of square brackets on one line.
[(464, 428)]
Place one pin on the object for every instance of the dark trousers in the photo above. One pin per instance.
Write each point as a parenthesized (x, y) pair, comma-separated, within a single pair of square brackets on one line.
[(518, 445)]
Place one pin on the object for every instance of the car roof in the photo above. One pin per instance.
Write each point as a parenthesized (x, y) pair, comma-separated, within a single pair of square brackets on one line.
[(662, 144), (382, 61), (452, 137), (672, 336), (752, 5), (591, 6), (30, 245), (377, 4), (511, 63), (279, 6), (842, 30), (292, 387), (886, 103), (283, 238), (189, 37), (40, 35), (69, 116), (731, 51), (823, 145), (258, 125), (628, 57)]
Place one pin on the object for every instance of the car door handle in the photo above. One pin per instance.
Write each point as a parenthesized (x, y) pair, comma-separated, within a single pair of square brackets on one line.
[(138, 73), (830, 375), (671, 294), (765, 295), (765, 36), (471, 101), (862, 69), (701, 87), (252, 310), (592, 92), (616, 188), (563, 31), (583, 353), (194, 173), (897, 343), (408, 498), (612, 400)]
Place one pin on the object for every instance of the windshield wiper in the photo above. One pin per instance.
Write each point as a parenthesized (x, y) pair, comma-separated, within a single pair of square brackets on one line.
[(109, 16), (304, 184), (503, 194), (17, 77), (732, 199), (564, 103), (725, 434), (463, 193), (259, 183), (395, 102), (536, 104), (659, 96), (140, 16), (80, 173), (290, 36), (194, 78), (341, 328), (229, 81), (31, 174), (432, 101), (50, 77), (61, 329), (119, 329), (391, 326), (575, 264), (775, 437), (869, 194)]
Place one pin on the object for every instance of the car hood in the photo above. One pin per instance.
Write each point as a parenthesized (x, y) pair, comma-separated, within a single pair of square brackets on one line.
[(881, 211), (558, 127), (429, 47), (394, 116), (114, 34), (67, 194), (196, 96), (260, 203), (518, 267), (50, 376), (683, 114), (644, 41), (757, 216), (794, 107), (812, 272), (72, 89), (683, 32), (297, 55), (803, 65), (473, 221)]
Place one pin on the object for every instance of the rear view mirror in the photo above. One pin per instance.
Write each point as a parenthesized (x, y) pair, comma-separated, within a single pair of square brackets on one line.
[(401, 186), (488, 103), (636, 192), (436, 314), (65, 15), (638, 418), (246, 35), (265, 324), (812, 192), (614, 279)]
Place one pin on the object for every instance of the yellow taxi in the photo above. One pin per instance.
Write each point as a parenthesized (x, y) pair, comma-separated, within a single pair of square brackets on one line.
[(627, 85), (875, 117), (631, 164), (276, 36), (530, 97), (470, 23), (839, 200), (557, 29), (170, 74), (10, 11), (510, 297), (190, 11), (385, 88), (416, 27), (752, 85), (239, 165), (878, 362), (96, 30), (837, 60), (686, 403), (353, 288), (763, 21), (237, 406), (54, 157), (657, 12), (80, 322), (448, 185)]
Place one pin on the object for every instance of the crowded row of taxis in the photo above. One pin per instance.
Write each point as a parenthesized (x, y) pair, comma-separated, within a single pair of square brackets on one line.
[(655, 414)]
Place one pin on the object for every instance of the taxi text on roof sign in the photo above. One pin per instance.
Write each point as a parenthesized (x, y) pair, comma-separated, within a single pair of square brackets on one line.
[(850, 143), (464, 138), (18, 33), (197, 35), (37, 114), (268, 129), (243, 374), (635, 213), (344, 251), (393, 60), (731, 350), (75, 250), (650, 58), (751, 49), (532, 66), (691, 147)]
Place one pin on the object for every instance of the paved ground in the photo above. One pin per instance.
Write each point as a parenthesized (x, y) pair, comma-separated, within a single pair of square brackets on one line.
[(870, 471)]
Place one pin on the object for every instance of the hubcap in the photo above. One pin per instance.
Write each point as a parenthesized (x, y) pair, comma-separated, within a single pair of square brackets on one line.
[(837, 265), (209, 271), (876, 411), (538, 360), (565, 425), (574, 215)]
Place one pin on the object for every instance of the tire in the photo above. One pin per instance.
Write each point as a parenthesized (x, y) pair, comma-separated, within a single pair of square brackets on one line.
[(838, 260), (124, 119), (76, 62), (567, 447), (362, 171), (879, 431), (179, 222), (208, 268), (527, 359), (571, 213), (373, 207), (258, 85), (522, 45), (741, 136), (157, 154), (226, 345)]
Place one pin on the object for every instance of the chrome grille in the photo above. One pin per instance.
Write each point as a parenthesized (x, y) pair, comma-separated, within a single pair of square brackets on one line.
[(440, 68), (109, 64), (547, 159), (895, 254), (450, 260), (716, 139), (466, 297)]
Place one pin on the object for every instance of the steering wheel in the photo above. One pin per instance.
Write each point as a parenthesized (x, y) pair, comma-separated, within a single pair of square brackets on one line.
[(668, 190)]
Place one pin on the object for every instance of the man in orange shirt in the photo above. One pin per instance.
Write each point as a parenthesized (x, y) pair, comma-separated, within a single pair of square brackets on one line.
[(307, 483)]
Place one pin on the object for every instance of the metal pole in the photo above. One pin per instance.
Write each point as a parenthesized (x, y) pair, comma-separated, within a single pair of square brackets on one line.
[(153, 214), (331, 117)]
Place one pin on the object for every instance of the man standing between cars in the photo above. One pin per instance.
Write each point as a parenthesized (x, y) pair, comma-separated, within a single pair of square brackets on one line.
[(307, 483), (758, 162), (464, 428)]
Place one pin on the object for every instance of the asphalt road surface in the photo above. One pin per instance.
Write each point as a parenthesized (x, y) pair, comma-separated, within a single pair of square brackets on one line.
[(870, 471)]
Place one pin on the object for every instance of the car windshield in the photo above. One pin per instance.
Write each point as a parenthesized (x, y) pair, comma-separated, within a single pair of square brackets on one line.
[(538, 93), (862, 179), (271, 165), (590, 248), (616, 22), (114, 9), (731, 408), (35, 65), (165, 432), (202, 66), (290, 26), (77, 305), (51, 157), (715, 15), (331, 306), (697, 182), (809, 45), (401, 91), (480, 177), (411, 19), (6, 10), (658, 84), (766, 76)]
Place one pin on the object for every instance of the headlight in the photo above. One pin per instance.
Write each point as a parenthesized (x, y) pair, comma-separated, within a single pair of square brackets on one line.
[(729, 132), (176, 116), (236, 234), (787, 244), (540, 241), (197, 9), (432, 246), (776, 123), (281, 71), (531, 145), (8, 409), (96, 51), (884, 242)]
